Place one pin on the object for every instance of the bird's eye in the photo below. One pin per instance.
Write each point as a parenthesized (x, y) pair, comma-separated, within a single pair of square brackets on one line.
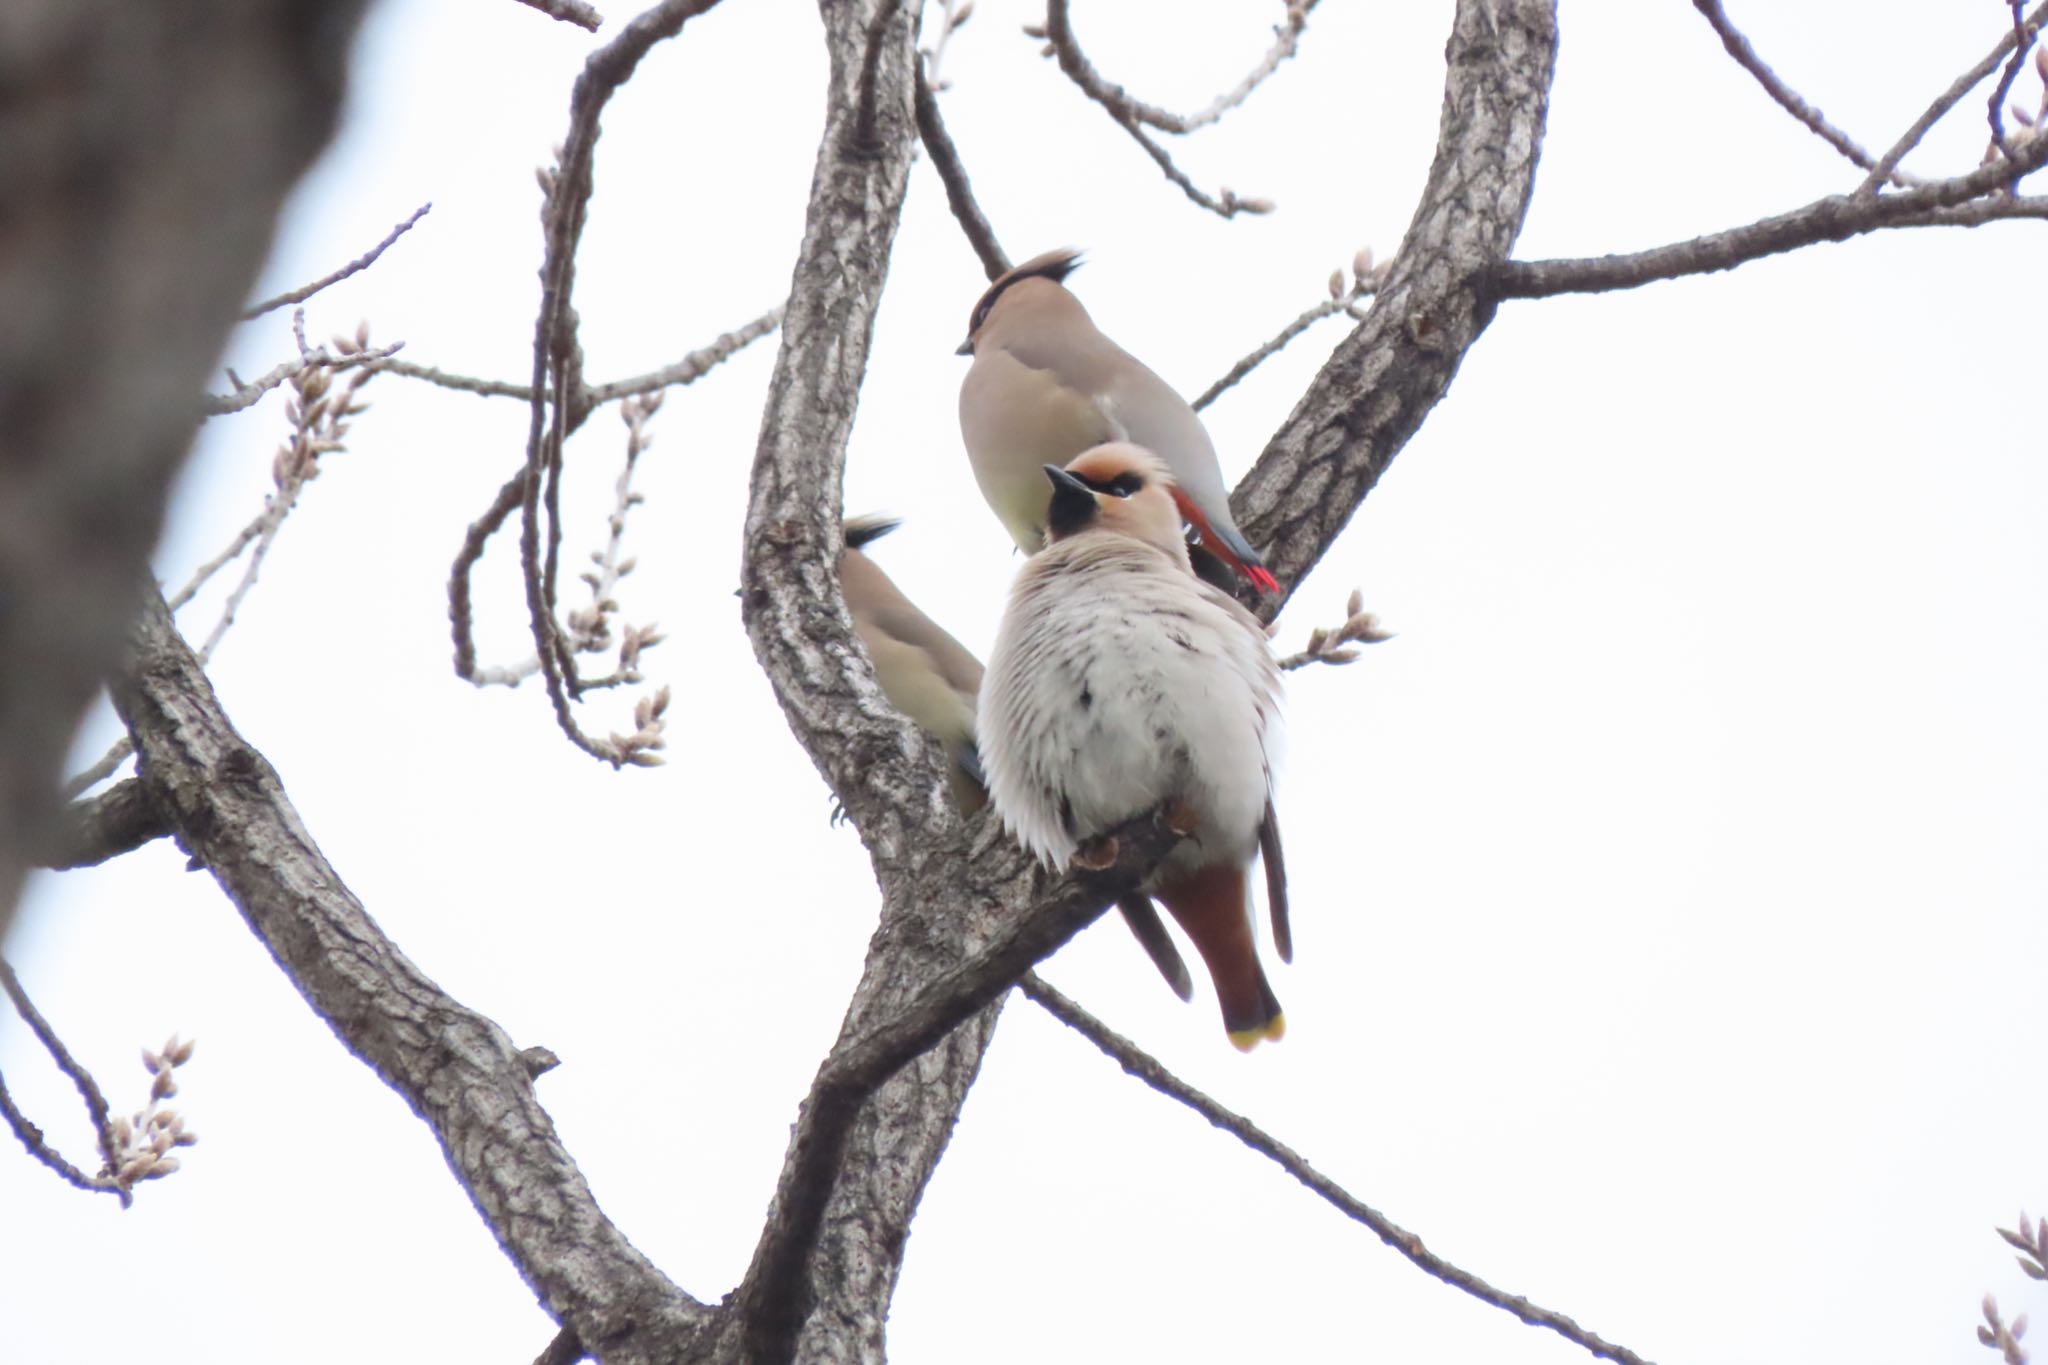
[(1123, 485)]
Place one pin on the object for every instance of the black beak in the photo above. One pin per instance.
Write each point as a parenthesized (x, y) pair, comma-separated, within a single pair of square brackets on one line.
[(966, 347), (1073, 503)]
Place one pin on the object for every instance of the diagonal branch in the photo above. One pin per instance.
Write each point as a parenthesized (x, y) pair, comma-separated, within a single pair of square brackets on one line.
[(88, 1091), (1131, 115), (456, 1069), (1745, 55), (1141, 1064), (1957, 202), (2022, 39), (959, 193), (356, 266), (1949, 98)]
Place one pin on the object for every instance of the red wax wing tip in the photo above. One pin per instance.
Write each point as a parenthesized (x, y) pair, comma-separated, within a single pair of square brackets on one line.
[(1265, 581)]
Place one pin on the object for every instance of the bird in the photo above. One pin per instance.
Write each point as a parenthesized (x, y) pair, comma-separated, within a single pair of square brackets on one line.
[(1046, 385), (1122, 683), (925, 673), (932, 678)]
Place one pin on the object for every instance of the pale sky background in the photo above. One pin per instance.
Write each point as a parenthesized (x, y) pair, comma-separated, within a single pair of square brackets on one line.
[(1668, 896)]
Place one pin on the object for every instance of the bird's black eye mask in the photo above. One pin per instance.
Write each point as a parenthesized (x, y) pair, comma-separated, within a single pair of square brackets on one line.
[(1122, 486)]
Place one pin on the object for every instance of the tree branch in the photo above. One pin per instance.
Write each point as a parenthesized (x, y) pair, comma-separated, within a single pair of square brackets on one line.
[(119, 820), (959, 193), (557, 357), (577, 12), (1286, 40), (88, 1090), (1745, 55), (359, 264), (1947, 100), (1956, 202), (1130, 114), (1383, 379), (1137, 1062), (457, 1069)]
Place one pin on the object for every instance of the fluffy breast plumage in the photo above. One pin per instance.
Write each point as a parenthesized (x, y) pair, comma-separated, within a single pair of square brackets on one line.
[(1119, 683)]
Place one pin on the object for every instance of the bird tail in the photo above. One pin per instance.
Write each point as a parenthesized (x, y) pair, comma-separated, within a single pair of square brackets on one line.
[(1227, 544), (868, 528), (964, 775), (1209, 904)]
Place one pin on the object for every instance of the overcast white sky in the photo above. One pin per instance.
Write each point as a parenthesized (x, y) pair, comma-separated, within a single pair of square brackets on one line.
[(1668, 896)]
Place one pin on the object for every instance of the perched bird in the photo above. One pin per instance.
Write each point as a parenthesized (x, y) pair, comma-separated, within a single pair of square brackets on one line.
[(930, 677), (925, 673), (1046, 385), (1121, 683)]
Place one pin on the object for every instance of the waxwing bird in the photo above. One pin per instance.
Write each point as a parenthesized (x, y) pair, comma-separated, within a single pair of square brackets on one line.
[(930, 677), (1121, 683), (925, 673), (1046, 385)]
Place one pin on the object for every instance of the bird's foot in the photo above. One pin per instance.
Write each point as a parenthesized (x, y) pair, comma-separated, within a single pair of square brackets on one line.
[(1183, 819)]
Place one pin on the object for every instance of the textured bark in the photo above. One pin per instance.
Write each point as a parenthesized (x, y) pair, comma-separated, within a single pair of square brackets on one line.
[(457, 1069), (1383, 379), (119, 820), (823, 1293), (144, 152), (822, 1277)]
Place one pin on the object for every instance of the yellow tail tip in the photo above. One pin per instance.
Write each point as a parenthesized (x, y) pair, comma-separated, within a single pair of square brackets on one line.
[(1244, 1040)]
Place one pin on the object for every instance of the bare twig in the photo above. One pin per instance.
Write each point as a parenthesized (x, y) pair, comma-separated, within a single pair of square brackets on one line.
[(319, 412), (461, 618), (88, 1090), (1745, 55), (1286, 39), (246, 395), (555, 351), (1940, 203), (959, 193), (360, 263), (588, 628), (1365, 280), (690, 368), (2022, 39), (39, 1147), (953, 16), (1130, 115), (1338, 645), (1947, 100), (1148, 1069), (576, 12)]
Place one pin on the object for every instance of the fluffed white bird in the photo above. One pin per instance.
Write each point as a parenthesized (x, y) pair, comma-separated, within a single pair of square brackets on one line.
[(932, 678), (1046, 385), (925, 673), (1121, 683)]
